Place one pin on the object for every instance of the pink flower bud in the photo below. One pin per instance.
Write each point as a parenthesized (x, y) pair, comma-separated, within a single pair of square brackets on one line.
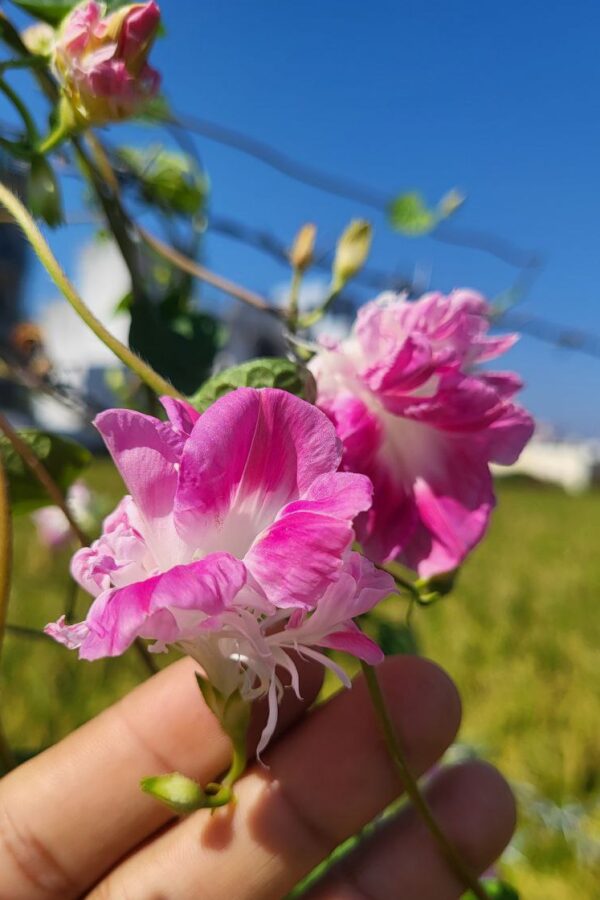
[(101, 61)]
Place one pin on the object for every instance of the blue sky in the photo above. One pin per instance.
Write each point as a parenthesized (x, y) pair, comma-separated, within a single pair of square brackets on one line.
[(498, 99)]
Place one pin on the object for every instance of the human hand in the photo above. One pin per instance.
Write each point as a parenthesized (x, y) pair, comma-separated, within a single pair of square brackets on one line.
[(73, 821)]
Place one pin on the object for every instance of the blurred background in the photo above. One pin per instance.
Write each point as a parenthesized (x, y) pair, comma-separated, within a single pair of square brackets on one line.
[(323, 112)]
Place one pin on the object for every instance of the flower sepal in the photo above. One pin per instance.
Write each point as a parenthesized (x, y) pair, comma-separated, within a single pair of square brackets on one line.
[(233, 714)]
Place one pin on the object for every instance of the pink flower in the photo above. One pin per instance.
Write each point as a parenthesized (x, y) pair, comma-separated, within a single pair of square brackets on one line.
[(417, 417), (101, 61), (234, 544), (51, 523)]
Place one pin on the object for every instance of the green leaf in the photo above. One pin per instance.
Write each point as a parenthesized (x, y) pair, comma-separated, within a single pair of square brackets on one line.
[(54, 11), (257, 373), (496, 890), (51, 11), (395, 637), (63, 458), (409, 215), (180, 348), (167, 180), (43, 192)]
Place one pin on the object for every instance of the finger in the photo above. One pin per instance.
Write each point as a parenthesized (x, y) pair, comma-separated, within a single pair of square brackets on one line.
[(328, 777), (76, 809), (476, 809)]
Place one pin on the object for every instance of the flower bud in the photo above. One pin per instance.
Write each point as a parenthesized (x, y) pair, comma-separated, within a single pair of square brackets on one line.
[(301, 253), (351, 252), (39, 38), (101, 61), (178, 792)]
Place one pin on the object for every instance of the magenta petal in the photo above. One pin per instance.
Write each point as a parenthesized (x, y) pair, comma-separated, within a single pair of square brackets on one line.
[(148, 607), (509, 434), (355, 642), (145, 454), (456, 513), (340, 494), (298, 556), (264, 447), (182, 415)]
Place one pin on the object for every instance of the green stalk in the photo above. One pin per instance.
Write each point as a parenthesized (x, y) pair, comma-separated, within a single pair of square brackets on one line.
[(30, 126), (145, 372), (315, 315), (292, 310), (6, 757), (411, 786)]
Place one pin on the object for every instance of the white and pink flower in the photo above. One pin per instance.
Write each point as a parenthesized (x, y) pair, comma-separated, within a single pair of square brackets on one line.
[(234, 543), (416, 415), (102, 61)]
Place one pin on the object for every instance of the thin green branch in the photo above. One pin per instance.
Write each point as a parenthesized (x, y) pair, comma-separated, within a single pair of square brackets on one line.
[(411, 786), (30, 126), (218, 281), (48, 260), (41, 474), (6, 756)]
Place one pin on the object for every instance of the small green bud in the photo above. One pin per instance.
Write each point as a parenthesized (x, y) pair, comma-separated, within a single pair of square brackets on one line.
[(437, 586), (351, 252), (179, 793), (43, 193)]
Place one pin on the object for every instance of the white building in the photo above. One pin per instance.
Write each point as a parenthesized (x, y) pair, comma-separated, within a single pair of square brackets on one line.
[(574, 465)]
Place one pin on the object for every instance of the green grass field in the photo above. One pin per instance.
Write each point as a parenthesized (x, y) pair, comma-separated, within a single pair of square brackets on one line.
[(520, 635)]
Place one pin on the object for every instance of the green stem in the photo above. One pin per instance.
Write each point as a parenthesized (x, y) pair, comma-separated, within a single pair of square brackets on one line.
[(412, 788), (292, 310), (6, 757), (238, 764), (48, 260), (218, 281), (56, 137), (315, 315), (30, 126)]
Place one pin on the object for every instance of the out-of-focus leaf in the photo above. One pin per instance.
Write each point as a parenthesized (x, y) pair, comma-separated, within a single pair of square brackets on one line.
[(395, 637), (54, 11), (165, 179), (43, 192), (410, 215), (63, 458), (181, 349), (257, 373), (496, 890), (51, 11)]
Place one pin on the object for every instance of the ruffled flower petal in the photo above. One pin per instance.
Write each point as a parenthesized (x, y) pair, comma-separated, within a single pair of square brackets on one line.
[(417, 417)]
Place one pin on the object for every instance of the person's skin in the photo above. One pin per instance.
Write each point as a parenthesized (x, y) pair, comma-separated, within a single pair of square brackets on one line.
[(74, 823)]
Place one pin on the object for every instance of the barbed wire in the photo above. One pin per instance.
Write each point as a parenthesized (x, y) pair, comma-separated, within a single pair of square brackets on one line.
[(349, 189)]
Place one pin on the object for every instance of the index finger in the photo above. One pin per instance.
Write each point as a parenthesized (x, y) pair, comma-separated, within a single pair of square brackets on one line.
[(73, 811)]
